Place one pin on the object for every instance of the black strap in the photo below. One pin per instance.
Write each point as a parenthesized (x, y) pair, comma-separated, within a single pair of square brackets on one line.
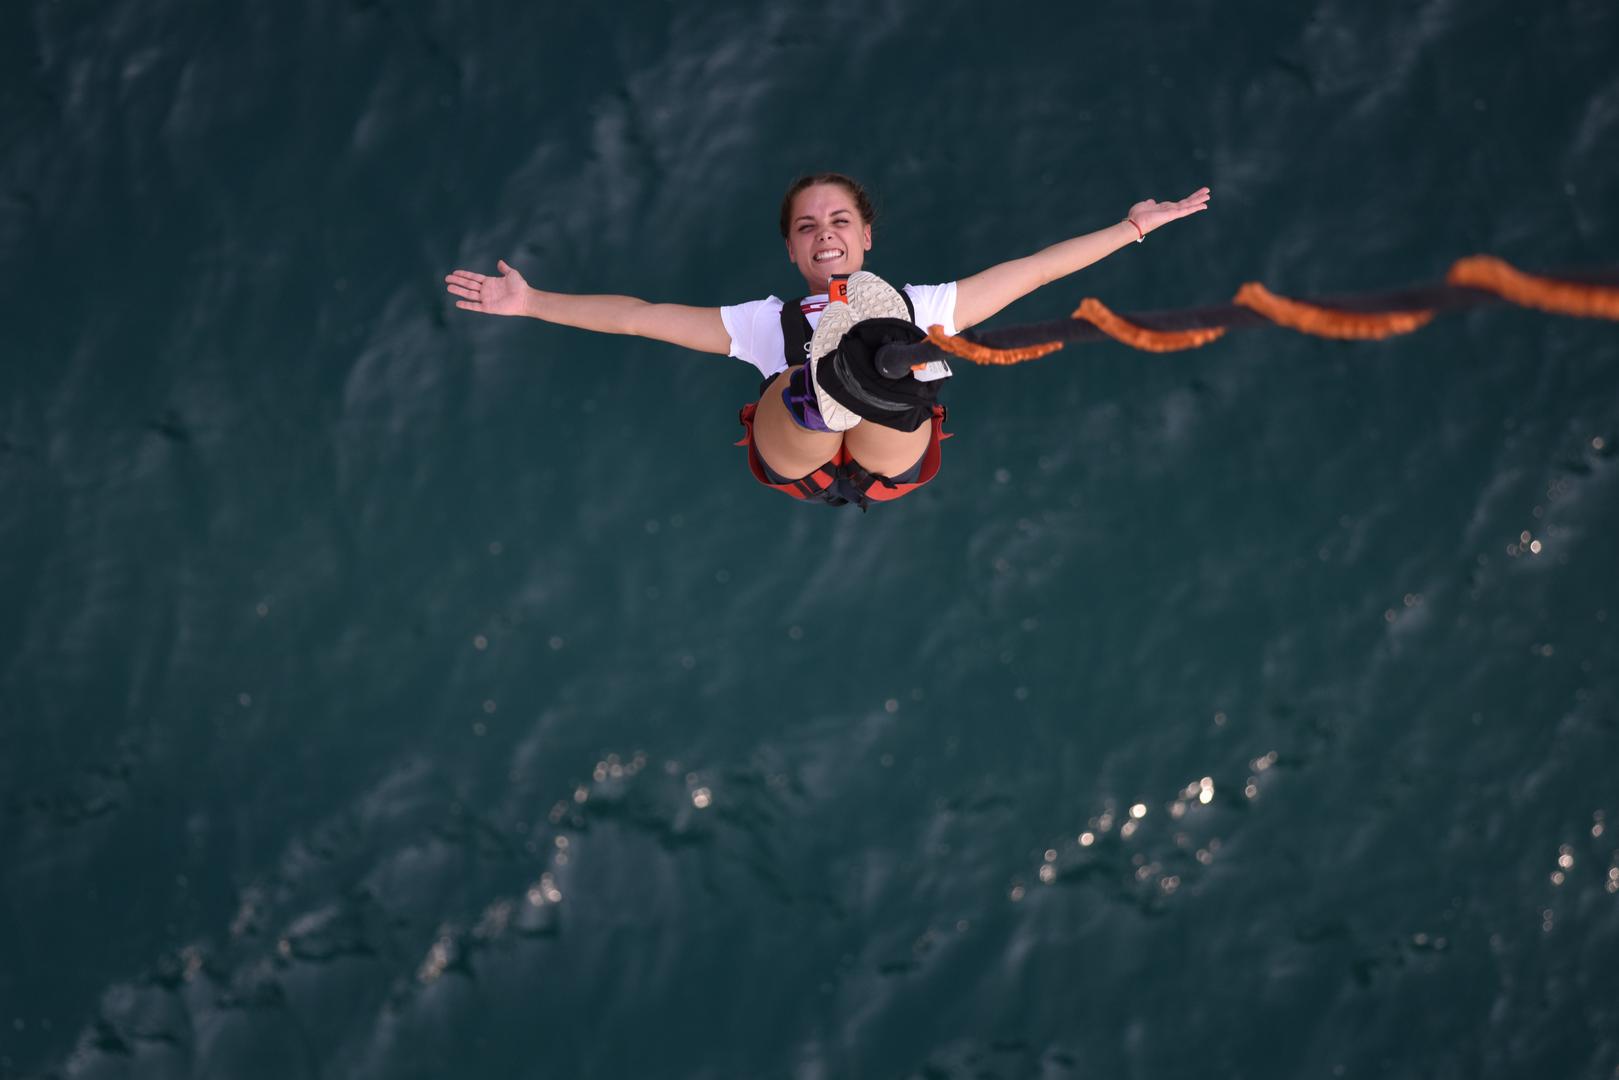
[(795, 332), (816, 490)]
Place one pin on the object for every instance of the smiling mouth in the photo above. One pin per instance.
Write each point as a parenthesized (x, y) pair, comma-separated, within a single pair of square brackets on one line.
[(827, 256)]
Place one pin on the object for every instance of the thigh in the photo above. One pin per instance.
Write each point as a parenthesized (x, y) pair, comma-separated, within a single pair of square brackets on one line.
[(788, 449), (885, 450)]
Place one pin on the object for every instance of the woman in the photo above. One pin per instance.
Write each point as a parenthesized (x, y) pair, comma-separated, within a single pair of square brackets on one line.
[(799, 439)]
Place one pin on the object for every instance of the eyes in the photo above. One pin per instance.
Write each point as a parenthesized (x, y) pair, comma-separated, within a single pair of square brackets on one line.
[(837, 223)]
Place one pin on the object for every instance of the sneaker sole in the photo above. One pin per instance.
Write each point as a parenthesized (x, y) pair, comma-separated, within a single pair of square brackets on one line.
[(870, 297), (836, 318)]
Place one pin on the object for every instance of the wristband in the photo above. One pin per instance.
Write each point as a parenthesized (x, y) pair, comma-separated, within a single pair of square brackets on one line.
[(1140, 236)]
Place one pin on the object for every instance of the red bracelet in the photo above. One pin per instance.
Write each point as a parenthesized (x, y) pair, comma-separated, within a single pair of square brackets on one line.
[(1140, 236)]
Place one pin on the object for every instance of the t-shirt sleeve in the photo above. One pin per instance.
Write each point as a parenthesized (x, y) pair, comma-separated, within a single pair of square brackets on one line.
[(935, 305), (755, 329)]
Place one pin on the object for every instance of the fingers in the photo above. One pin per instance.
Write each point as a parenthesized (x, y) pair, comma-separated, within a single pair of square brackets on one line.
[(469, 277), (458, 289), (469, 305)]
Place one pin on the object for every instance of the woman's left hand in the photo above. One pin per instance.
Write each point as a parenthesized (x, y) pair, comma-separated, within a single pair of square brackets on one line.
[(1150, 214)]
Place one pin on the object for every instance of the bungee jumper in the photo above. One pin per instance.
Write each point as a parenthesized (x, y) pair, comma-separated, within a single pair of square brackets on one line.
[(848, 411)]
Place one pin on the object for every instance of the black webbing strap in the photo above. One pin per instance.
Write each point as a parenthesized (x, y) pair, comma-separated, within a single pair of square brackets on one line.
[(795, 332)]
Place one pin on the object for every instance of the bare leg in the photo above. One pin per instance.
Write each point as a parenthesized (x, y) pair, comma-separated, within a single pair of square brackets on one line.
[(886, 450), (790, 450)]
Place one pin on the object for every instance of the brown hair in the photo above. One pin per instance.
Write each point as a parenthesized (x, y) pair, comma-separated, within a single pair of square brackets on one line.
[(862, 201)]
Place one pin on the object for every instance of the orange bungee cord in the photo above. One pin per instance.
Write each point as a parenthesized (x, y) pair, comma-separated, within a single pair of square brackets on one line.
[(1471, 282)]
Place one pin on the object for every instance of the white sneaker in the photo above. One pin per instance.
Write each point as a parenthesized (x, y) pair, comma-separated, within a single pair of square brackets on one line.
[(870, 297), (836, 318)]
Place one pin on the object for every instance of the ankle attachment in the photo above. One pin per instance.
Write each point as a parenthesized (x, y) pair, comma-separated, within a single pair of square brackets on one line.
[(849, 375)]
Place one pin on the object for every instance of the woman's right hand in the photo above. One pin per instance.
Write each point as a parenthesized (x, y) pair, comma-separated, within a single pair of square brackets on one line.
[(503, 295)]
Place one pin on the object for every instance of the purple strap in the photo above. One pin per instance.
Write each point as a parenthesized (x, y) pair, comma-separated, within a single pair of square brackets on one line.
[(799, 397)]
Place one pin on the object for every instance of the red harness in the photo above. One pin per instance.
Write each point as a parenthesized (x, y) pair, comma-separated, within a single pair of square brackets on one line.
[(818, 484)]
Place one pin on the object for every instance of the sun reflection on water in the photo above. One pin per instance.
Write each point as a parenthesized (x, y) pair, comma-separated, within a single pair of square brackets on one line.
[(1149, 861)]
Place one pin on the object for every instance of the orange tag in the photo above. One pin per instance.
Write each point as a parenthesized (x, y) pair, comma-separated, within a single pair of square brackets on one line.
[(838, 288)]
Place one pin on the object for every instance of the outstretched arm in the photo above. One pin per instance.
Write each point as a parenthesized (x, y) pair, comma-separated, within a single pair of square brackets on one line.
[(696, 328), (982, 295)]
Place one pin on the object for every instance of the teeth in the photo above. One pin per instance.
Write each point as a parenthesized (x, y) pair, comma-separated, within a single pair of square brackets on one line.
[(825, 255)]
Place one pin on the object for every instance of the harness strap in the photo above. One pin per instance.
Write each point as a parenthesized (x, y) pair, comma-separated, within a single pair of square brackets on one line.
[(814, 486), (869, 486), (795, 332), (881, 488)]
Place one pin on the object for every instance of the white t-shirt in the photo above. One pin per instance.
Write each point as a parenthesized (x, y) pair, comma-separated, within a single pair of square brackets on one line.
[(755, 327)]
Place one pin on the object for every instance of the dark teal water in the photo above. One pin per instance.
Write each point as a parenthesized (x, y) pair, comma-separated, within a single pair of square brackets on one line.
[(389, 692)]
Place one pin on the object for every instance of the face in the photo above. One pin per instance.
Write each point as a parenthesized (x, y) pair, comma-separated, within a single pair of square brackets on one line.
[(826, 235)]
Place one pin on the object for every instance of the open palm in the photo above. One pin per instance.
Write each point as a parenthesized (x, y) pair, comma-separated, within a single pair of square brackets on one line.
[(503, 295), (1150, 213)]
